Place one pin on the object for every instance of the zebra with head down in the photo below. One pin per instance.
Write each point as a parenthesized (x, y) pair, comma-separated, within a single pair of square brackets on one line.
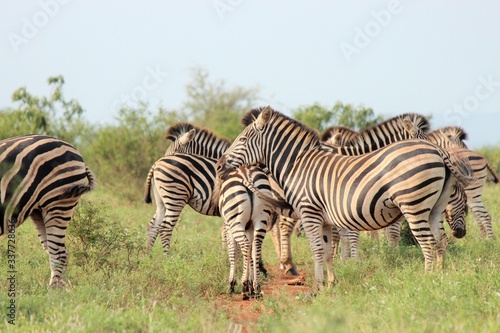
[(451, 138)]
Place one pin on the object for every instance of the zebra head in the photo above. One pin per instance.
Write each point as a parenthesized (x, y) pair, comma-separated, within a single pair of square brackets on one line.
[(456, 211), (179, 145), (415, 125), (247, 148)]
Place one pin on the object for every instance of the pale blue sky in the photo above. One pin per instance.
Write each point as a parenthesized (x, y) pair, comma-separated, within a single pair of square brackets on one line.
[(394, 56)]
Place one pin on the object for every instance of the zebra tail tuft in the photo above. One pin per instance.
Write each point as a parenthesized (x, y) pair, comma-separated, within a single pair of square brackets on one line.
[(495, 179), (147, 194)]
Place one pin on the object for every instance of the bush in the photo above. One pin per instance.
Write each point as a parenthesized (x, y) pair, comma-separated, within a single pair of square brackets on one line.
[(97, 242)]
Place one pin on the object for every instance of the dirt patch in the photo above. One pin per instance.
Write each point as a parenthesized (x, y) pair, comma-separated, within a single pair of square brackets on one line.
[(245, 314)]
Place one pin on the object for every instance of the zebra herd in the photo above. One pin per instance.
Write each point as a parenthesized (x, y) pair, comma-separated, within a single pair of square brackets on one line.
[(276, 175)]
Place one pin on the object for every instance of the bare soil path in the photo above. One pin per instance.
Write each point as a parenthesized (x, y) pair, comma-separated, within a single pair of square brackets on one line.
[(245, 314)]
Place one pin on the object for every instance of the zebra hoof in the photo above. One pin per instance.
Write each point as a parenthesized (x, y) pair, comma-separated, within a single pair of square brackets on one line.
[(263, 270), (292, 271)]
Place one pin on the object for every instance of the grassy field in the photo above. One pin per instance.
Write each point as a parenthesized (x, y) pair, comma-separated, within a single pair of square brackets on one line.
[(114, 286)]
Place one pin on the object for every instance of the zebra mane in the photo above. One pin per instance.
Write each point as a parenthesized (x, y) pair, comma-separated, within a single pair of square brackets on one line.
[(330, 131), (455, 131), (177, 130), (367, 134), (251, 115), (205, 142)]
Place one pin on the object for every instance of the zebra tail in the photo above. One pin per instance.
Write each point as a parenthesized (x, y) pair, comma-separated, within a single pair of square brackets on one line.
[(280, 205), (459, 166), (147, 194), (495, 179), (78, 190)]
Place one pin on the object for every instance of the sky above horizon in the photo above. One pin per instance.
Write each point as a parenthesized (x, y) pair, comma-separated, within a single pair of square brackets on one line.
[(393, 56)]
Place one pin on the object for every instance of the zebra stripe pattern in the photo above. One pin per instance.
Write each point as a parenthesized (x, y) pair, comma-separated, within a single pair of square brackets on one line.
[(413, 178), (42, 178), (451, 138)]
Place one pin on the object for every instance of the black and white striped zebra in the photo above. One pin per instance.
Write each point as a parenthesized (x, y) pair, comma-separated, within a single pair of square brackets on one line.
[(249, 209), (183, 176), (451, 137), (413, 178), (43, 178), (403, 127)]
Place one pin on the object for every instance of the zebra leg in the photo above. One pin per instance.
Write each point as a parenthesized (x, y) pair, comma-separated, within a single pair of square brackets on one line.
[(422, 233), (232, 252), (167, 227), (328, 250), (354, 243), (345, 251), (56, 223), (392, 233), (151, 233), (481, 215), (286, 226), (437, 229), (275, 237), (37, 218), (335, 241), (245, 244), (224, 237), (314, 232), (259, 235)]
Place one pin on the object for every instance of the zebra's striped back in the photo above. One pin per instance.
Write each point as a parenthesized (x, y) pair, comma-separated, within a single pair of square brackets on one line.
[(448, 137), (42, 178), (368, 192), (403, 127), (204, 142)]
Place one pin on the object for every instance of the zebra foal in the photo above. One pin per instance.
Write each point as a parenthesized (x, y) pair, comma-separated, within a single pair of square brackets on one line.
[(413, 178), (43, 178)]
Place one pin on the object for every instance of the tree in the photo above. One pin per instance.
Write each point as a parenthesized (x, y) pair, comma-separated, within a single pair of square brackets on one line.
[(320, 117), (51, 115), (212, 105)]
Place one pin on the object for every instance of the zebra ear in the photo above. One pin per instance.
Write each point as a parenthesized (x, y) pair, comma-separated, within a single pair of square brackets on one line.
[(185, 138), (408, 126), (263, 117), (335, 139)]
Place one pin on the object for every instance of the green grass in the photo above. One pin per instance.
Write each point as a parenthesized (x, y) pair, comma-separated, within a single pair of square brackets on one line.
[(127, 290)]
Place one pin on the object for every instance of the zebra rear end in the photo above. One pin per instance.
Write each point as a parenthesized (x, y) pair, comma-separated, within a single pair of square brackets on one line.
[(42, 178)]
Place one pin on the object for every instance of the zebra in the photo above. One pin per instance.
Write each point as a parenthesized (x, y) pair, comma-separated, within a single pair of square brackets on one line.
[(452, 137), (248, 209), (178, 178), (184, 163), (43, 178), (402, 127), (413, 178)]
